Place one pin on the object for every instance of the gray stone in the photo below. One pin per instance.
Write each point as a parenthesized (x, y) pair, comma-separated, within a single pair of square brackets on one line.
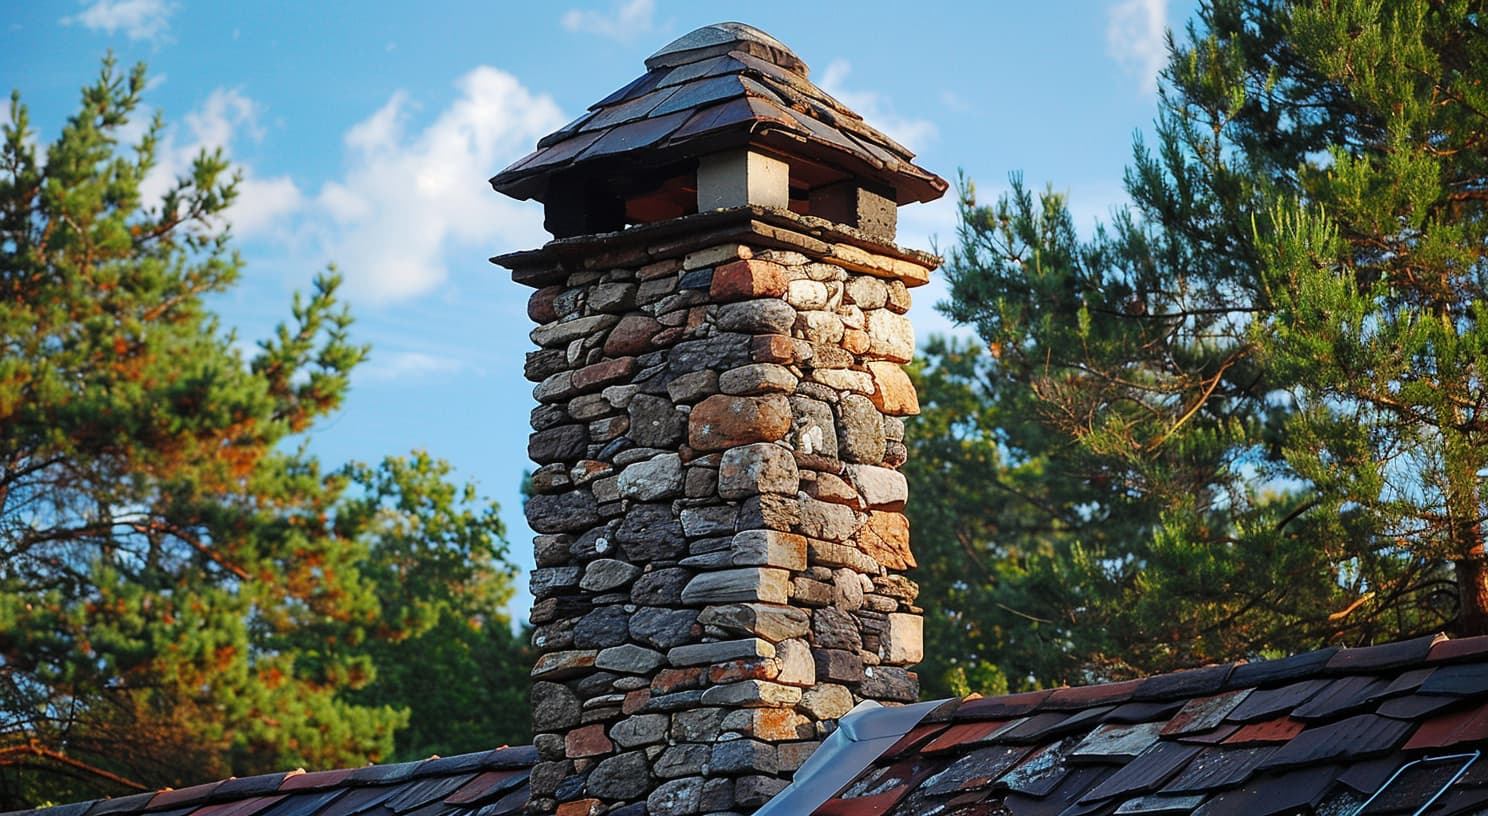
[(546, 416), (543, 363), (623, 776), (697, 725), (743, 755), (554, 706), (757, 378), (693, 386), (720, 351), (569, 512), (763, 316), (551, 478), (605, 626), (606, 574), (813, 429), (762, 467), (773, 623), (654, 423), (686, 759), (628, 658), (751, 694), (889, 683), (656, 478), (831, 628), (595, 543), (826, 521), (743, 584), (545, 581), (860, 432), (663, 628), (677, 797), (722, 651), (768, 548), (718, 796), (551, 550), (662, 587), (589, 407), (768, 511), (612, 297), (650, 532), (554, 335), (710, 520), (563, 443), (549, 746), (754, 790)]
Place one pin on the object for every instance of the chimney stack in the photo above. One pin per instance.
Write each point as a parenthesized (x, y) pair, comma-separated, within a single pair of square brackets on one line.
[(721, 540)]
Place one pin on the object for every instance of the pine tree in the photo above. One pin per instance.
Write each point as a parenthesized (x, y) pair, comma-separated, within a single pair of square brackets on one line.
[(184, 593), (1265, 373)]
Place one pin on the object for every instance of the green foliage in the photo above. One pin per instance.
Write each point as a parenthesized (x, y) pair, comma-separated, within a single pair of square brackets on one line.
[(184, 595), (1246, 417)]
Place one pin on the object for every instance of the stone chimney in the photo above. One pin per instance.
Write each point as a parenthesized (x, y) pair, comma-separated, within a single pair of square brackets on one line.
[(721, 540)]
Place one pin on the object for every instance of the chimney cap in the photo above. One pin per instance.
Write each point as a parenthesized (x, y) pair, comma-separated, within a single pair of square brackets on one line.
[(721, 38), (719, 88)]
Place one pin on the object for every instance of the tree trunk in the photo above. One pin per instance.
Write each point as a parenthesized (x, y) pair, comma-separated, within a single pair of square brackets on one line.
[(1472, 591)]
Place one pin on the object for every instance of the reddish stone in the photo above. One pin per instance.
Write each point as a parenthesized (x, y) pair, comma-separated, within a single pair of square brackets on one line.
[(750, 669), (587, 742), (579, 807), (893, 393), (722, 421), (668, 681), (855, 341), (607, 372), (540, 305), (634, 334), (772, 348), (635, 701), (746, 280), (667, 337), (778, 724), (885, 538)]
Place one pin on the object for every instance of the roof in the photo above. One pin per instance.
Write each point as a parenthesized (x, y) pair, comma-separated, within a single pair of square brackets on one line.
[(489, 783), (721, 86), (1383, 727), (1318, 733)]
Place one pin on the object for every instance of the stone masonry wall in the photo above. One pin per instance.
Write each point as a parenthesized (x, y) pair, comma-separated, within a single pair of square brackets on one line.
[(719, 516)]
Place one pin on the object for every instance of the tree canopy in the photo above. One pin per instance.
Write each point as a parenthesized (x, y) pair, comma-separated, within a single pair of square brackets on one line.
[(185, 592), (1247, 416)]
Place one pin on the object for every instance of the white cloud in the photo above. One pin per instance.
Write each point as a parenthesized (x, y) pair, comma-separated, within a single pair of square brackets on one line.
[(138, 19), (875, 109), (1136, 38), (404, 365), (628, 20), (407, 199), (223, 117)]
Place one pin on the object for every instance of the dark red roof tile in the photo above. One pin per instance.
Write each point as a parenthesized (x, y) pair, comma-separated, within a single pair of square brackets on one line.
[(1084, 696), (1281, 729), (1470, 725), (1459, 649), (485, 786), (1001, 708), (313, 780), (1385, 656), (912, 741), (249, 786), (966, 735), (174, 798)]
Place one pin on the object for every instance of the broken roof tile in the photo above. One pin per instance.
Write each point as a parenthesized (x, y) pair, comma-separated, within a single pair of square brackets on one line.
[(1112, 741), (1204, 713)]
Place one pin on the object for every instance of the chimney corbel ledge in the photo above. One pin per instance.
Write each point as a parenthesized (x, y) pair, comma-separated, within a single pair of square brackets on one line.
[(721, 540)]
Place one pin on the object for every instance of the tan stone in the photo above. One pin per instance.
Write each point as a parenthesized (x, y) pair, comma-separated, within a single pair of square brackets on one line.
[(723, 421), (892, 391), (558, 665), (885, 538), (890, 336), (768, 548), (797, 666), (843, 379), (902, 642), (806, 294)]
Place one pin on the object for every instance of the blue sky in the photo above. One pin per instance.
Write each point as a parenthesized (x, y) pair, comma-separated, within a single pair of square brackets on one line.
[(366, 132)]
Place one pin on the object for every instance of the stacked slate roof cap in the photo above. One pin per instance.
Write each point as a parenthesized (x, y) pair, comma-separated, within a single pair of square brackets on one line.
[(722, 86), (1318, 733), (488, 783)]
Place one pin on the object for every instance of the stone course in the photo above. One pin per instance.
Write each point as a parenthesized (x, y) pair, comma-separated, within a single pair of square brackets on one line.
[(719, 511)]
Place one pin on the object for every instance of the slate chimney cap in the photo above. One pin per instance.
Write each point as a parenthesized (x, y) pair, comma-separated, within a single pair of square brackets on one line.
[(721, 38)]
